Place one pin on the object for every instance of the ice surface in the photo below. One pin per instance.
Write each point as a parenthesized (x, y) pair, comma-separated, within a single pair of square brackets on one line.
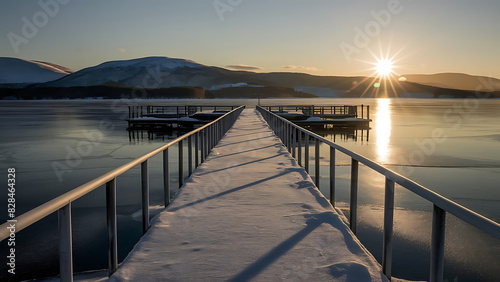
[(249, 212)]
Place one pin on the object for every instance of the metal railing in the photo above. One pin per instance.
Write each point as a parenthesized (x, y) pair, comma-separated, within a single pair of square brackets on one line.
[(292, 136), (204, 139), (361, 111), (172, 110)]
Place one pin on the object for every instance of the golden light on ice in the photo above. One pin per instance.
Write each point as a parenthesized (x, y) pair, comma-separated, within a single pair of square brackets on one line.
[(384, 67), (383, 129)]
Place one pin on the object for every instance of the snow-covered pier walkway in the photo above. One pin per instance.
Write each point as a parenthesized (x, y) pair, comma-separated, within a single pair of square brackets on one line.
[(249, 212)]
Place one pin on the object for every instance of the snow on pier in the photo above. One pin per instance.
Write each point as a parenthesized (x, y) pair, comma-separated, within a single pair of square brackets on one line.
[(249, 212)]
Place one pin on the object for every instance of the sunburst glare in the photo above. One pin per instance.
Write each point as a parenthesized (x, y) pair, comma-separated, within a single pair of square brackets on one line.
[(384, 67), (383, 129), (383, 81)]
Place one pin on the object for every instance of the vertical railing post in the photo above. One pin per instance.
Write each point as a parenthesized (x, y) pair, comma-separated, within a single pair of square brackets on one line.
[(217, 132), (306, 157), (332, 176), (211, 136), (299, 149), (145, 196), (207, 144), (190, 155), (112, 228), (181, 164), (214, 134), (293, 134), (437, 244), (279, 129), (316, 162), (353, 208), (202, 146), (286, 136), (196, 148), (388, 228), (283, 125), (65, 244), (166, 178)]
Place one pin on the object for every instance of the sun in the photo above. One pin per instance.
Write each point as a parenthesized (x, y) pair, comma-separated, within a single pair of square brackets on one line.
[(384, 67)]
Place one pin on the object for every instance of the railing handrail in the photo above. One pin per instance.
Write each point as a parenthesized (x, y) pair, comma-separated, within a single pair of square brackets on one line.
[(331, 109), (479, 221), (46, 209), (291, 134)]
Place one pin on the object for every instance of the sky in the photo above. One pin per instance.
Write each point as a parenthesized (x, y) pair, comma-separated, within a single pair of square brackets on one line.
[(321, 37)]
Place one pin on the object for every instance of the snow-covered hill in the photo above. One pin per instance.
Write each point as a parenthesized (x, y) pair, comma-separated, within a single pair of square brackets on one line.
[(149, 72), (163, 73), (17, 71)]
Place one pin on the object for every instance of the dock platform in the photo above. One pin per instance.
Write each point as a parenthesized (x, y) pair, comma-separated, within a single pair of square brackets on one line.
[(324, 116), (249, 212)]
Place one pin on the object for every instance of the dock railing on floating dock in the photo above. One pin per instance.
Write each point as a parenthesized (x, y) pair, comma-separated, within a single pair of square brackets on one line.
[(174, 111), (204, 139), (292, 135), (326, 110)]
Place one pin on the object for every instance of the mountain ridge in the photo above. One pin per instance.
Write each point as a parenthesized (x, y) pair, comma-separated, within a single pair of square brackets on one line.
[(157, 72), (21, 72), (459, 81)]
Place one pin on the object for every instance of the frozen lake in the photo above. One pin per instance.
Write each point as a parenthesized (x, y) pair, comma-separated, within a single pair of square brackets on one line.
[(450, 146)]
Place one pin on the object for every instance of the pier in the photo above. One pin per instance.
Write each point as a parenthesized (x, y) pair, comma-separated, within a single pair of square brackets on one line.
[(250, 209)]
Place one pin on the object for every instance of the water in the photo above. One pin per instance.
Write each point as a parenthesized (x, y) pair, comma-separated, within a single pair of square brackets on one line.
[(450, 146)]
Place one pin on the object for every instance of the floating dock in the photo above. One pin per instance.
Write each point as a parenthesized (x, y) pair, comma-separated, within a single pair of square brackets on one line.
[(249, 212), (325, 116), (169, 117)]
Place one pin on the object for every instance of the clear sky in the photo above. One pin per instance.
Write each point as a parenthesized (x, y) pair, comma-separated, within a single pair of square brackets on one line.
[(324, 37)]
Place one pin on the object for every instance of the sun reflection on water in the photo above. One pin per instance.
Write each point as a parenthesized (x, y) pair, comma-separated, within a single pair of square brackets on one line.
[(383, 129)]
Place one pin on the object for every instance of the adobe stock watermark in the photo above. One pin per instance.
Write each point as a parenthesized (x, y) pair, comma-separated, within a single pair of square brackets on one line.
[(363, 36), (221, 180), (224, 6), (308, 265), (152, 79), (84, 148), (94, 138), (39, 19), (455, 116)]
